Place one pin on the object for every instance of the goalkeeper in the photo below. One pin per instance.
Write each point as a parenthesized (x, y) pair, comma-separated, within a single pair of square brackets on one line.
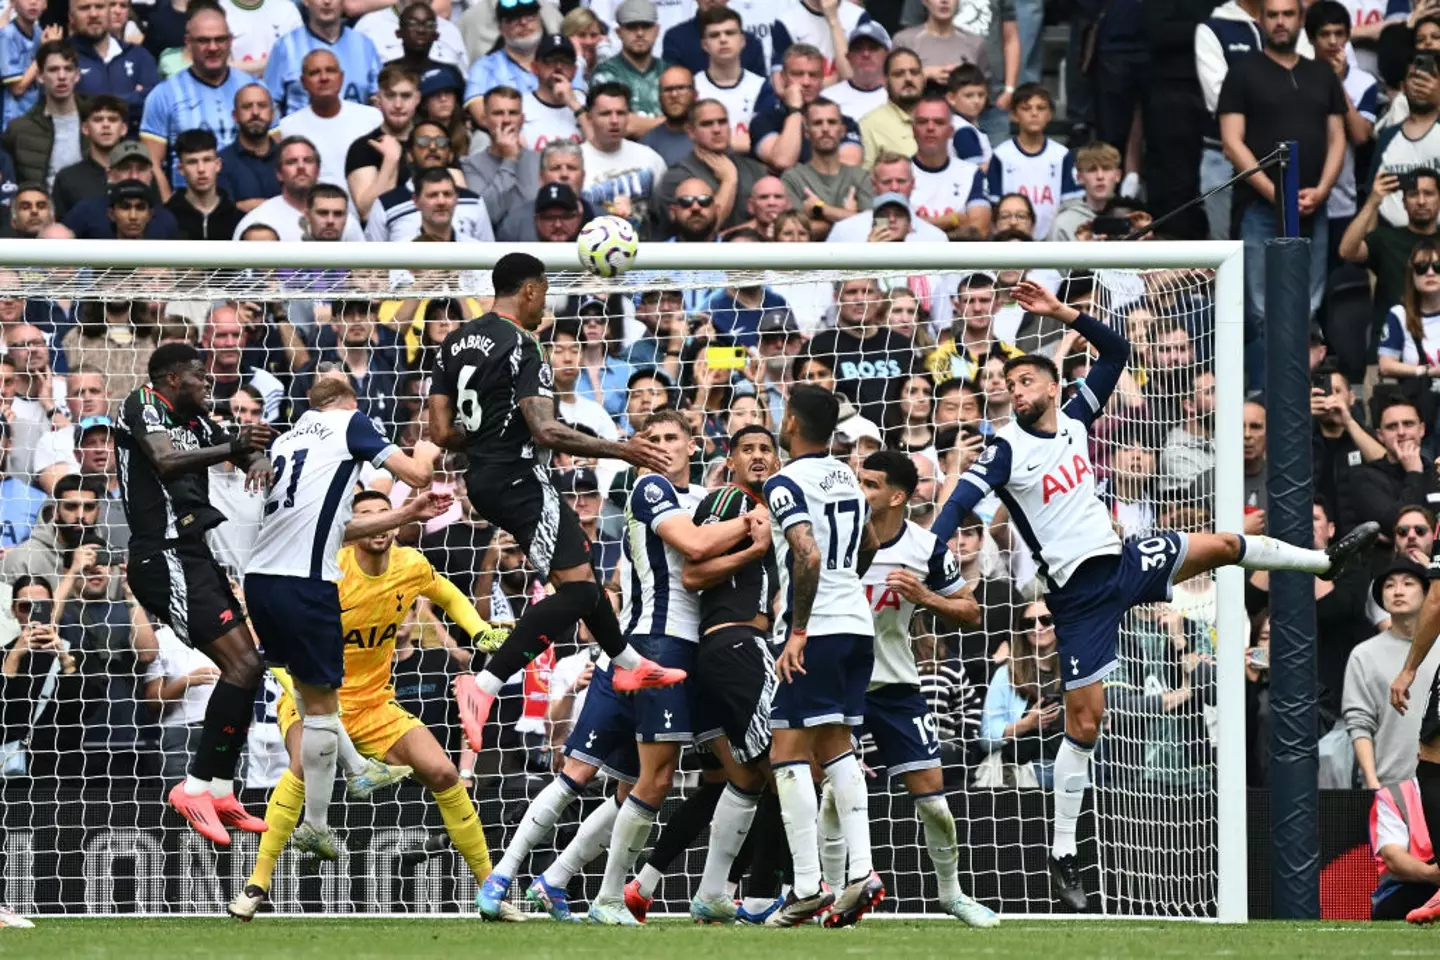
[(378, 589)]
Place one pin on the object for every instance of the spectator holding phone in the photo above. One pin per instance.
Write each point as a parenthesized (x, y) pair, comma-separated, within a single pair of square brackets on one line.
[(1413, 144), (1385, 249), (1023, 719)]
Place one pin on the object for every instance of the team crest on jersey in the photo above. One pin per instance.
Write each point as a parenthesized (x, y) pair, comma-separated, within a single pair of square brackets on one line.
[(653, 493), (152, 416), (952, 566), (547, 375)]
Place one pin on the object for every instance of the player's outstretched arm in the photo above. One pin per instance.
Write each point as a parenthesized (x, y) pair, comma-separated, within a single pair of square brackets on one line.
[(697, 543), (426, 506), (170, 462), (417, 471), (959, 607), (458, 608), (539, 413), (1426, 630), (1112, 347)]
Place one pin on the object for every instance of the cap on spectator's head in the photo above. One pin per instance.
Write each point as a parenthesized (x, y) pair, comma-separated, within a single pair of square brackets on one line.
[(510, 9), (590, 301), (554, 195), (872, 31), (129, 190), (554, 45), (1317, 334), (129, 150), (778, 322), (636, 13), (95, 423), (853, 429), (891, 199), (579, 480), (1400, 564), (440, 78)]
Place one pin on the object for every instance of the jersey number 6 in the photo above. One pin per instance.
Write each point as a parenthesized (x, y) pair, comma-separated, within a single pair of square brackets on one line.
[(467, 403)]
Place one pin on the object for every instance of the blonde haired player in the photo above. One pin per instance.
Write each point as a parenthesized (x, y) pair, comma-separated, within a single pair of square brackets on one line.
[(379, 586)]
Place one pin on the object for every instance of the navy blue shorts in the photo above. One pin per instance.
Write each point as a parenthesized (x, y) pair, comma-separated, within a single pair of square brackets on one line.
[(832, 688), (1088, 610), (906, 737), (604, 733), (297, 621), (664, 715)]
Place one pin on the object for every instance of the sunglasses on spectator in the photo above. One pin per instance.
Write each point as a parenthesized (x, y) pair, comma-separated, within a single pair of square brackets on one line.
[(1036, 623), (1405, 529), (1427, 266), (691, 201), (432, 141)]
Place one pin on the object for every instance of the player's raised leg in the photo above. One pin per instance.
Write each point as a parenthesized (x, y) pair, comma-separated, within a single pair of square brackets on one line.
[(1206, 551)]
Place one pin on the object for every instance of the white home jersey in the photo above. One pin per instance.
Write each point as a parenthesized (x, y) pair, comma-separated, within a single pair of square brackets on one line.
[(656, 602), (969, 141), (915, 549), (954, 188), (739, 99), (810, 26), (1047, 178), (1047, 481), (316, 464), (822, 492)]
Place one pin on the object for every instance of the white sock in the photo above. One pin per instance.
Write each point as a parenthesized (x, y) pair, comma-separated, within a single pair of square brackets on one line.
[(194, 786), (798, 810), (940, 841), (222, 787), (590, 841), (832, 840), (319, 743), (627, 841), (728, 829), (1267, 553), (626, 659), (349, 759), (754, 905), (649, 879), (852, 802), (539, 820), (488, 682), (1072, 776)]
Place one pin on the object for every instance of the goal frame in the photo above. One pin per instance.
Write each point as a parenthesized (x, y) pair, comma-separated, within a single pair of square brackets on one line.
[(1224, 257)]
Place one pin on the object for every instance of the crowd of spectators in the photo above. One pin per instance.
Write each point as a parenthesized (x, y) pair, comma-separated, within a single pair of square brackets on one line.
[(703, 122)]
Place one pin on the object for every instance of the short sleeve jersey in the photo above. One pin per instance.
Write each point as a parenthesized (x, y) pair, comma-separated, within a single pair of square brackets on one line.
[(656, 602), (160, 512), (914, 549), (373, 610), (750, 590), (486, 368)]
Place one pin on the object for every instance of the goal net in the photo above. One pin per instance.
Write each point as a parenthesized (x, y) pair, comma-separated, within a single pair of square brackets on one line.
[(97, 718)]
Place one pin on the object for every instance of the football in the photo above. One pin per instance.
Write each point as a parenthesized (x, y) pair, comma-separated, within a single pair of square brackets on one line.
[(608, 246)]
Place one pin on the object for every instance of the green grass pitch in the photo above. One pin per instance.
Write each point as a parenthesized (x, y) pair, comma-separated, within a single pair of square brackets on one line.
[(436, 938)]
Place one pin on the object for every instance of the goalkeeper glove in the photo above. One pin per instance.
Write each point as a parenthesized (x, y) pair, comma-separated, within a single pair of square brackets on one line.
[(490, 638)]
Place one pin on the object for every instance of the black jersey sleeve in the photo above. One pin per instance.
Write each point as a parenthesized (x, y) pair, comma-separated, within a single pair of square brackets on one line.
[(442, 379), (144, 413), (726, 503), (533, 377)]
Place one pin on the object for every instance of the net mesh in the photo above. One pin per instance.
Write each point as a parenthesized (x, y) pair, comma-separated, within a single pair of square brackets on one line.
[(88, 750)]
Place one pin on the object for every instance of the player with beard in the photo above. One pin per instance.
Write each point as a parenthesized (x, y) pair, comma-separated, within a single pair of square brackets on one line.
[(1039, 466), (911, 569), (733, 683), (166, 444)]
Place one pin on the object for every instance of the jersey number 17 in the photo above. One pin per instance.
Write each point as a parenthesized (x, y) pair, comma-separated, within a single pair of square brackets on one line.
[(834, 514)]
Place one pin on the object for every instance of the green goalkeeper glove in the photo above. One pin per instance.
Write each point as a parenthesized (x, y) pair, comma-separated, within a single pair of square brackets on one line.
[(490, 638)]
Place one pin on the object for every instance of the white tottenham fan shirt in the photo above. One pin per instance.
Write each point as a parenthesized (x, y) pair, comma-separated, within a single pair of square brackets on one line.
[(545, 124), (915, 549), (1047, 178), (956, 187), (810, 26), (739, 99), (822, 492), (332, 136), (256, 29), (316, 463), (855, 103), (656, 602)]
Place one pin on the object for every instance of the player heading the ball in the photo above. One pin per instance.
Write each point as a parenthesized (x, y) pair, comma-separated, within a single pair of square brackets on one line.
[(1039, 466), (493, 397)]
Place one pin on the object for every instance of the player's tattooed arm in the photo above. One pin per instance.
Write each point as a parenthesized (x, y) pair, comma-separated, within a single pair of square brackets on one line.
[(550, 433), (171, 462), (805, 573)]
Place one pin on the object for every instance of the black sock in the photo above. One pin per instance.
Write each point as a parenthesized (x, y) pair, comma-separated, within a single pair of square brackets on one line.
[(222, 737), (1427, 772), (771, 866), (541, 623), (604, 625), (681, 829)]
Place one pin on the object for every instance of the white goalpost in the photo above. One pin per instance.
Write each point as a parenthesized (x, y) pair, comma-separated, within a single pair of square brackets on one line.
[(86, 750)]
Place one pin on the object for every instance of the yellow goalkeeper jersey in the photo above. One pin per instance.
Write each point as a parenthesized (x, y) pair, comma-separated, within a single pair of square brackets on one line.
[(372, 610)]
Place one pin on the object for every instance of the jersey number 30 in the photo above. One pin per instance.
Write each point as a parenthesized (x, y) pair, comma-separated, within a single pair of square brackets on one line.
[(467, 401)]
